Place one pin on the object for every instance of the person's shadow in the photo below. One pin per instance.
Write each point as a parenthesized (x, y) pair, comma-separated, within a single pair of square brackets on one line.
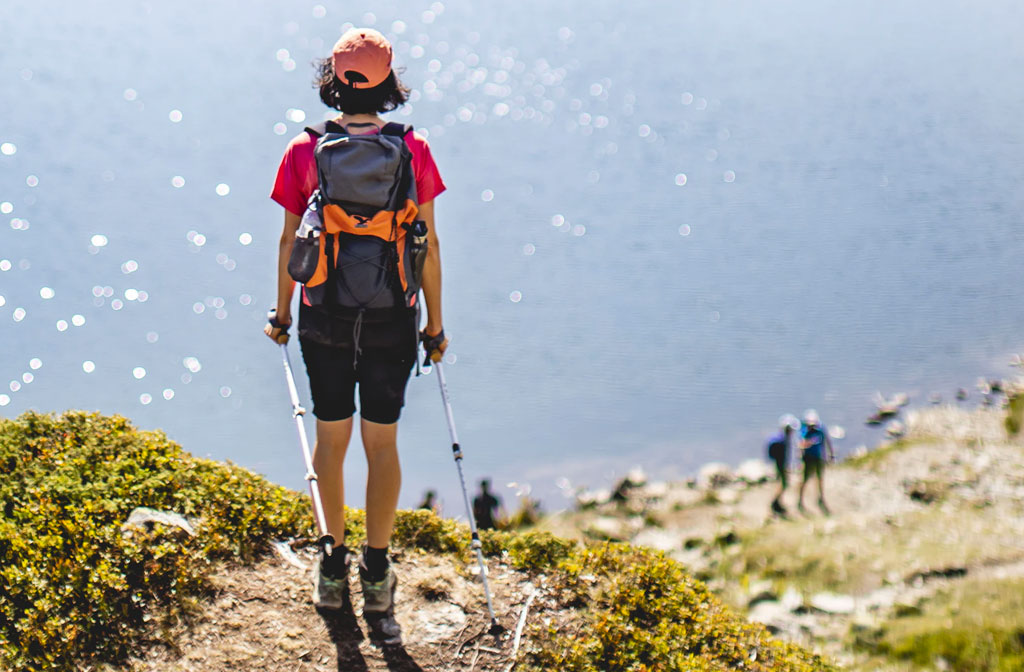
[(345, 633)]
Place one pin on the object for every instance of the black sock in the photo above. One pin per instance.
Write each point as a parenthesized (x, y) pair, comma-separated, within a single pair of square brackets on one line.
[(335, 563), (375, 564)]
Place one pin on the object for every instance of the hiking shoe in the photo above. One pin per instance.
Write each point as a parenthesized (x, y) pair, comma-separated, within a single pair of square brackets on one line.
[(824, 509), (329, 592), (379, 596), (379, 608)]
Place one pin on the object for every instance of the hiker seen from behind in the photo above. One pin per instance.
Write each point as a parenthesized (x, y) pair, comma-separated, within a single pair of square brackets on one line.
[(360, 236)]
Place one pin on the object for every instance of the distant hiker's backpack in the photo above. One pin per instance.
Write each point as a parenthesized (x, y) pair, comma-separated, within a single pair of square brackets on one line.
[(359, 245)]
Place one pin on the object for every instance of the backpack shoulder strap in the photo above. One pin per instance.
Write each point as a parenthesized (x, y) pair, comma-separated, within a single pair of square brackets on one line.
[(317, 130), (395, 129)]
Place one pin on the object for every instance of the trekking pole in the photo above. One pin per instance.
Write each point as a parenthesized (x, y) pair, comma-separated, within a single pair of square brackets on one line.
[(326, 540), (457, 452)]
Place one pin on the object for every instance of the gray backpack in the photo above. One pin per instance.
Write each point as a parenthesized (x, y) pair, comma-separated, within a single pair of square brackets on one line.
[(360, 247)]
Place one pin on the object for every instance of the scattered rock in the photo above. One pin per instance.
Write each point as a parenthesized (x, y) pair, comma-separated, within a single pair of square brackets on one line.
[(145, 517), (834, 603), (754, 471), (714, 475), (657, 539), (895, 429), (607, 528)]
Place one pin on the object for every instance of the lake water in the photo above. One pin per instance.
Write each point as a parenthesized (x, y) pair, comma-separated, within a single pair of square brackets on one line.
[(666, 223)]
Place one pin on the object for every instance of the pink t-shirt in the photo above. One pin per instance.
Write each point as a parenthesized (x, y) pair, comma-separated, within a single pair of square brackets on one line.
[(297, 179)]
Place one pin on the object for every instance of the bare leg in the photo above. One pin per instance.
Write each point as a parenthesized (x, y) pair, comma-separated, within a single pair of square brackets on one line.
[(383, 480), (328, 461), (803, 484), (821, 489)]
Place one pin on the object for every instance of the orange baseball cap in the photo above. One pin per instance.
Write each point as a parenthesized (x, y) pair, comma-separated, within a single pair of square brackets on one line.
[(362, 58)]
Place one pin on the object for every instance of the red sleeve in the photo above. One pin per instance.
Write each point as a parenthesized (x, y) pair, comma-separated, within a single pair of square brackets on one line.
[(429, 184), (296, 176)]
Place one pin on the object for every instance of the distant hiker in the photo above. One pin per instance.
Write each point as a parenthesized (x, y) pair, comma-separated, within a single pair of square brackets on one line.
[(359, 233), (778, 452), (813, 442), (429, 501), (485, 507)]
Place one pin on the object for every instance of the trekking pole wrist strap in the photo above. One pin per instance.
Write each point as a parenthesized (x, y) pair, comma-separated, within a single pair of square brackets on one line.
[(431, 343), (272, 319)]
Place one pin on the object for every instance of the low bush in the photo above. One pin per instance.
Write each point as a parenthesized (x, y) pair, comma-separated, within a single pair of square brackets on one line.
[(74, 587)]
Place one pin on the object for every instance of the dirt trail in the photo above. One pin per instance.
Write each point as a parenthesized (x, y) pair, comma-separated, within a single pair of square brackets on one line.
[(261, 618)]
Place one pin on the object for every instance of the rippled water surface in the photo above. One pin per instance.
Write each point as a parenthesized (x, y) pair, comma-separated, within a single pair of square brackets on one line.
[(666, 223)]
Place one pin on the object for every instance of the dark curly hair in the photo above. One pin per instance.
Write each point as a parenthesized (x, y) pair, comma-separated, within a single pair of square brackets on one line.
[(386, 96)]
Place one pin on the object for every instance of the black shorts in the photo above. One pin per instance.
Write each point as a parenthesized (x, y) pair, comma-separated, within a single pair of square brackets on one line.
[(381, 374)]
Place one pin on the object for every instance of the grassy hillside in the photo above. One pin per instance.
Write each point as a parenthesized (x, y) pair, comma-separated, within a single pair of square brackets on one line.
[(79, 589)]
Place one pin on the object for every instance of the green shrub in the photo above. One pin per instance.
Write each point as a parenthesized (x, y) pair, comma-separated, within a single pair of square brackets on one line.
[(1014, 413), (641, 611), (73, 586)]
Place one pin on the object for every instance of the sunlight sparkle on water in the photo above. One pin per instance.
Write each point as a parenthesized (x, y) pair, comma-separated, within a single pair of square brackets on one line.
[(152, 337), (4, 400), (129, 266), (280, 128), (32, 181), (486, 195), (168, 394), (5, 265), (8, 149), (225, 391), (15, 386), (35, 363), (145, 398), (98, 240), (139, 373), (684, 230), (6, 208), (46, 293), (78, 320), (3, 301), (515, 296), (223, 189), (88, 366), (294, 115), (62, 325), (177, 181), (175, 116), (192, 364), (27, 377), (529, 249), (729, 176), (245, 238), (681, 179), (18, 314)]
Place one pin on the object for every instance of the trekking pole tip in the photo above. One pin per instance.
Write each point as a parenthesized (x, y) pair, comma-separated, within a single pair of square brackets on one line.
[(496, 628)]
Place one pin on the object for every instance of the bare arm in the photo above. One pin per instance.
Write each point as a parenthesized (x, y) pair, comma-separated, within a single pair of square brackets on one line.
[(285, 284), (432, 274)]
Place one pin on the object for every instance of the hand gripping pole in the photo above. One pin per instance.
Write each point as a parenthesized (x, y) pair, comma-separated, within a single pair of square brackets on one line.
[(326, 540), (457, 454)]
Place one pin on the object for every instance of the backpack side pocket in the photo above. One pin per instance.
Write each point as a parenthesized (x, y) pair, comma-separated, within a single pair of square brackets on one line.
[(308, 261)]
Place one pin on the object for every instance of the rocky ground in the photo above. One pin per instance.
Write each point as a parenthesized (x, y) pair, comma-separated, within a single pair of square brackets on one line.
[(925, 534), (913, 525), (261, 618)]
